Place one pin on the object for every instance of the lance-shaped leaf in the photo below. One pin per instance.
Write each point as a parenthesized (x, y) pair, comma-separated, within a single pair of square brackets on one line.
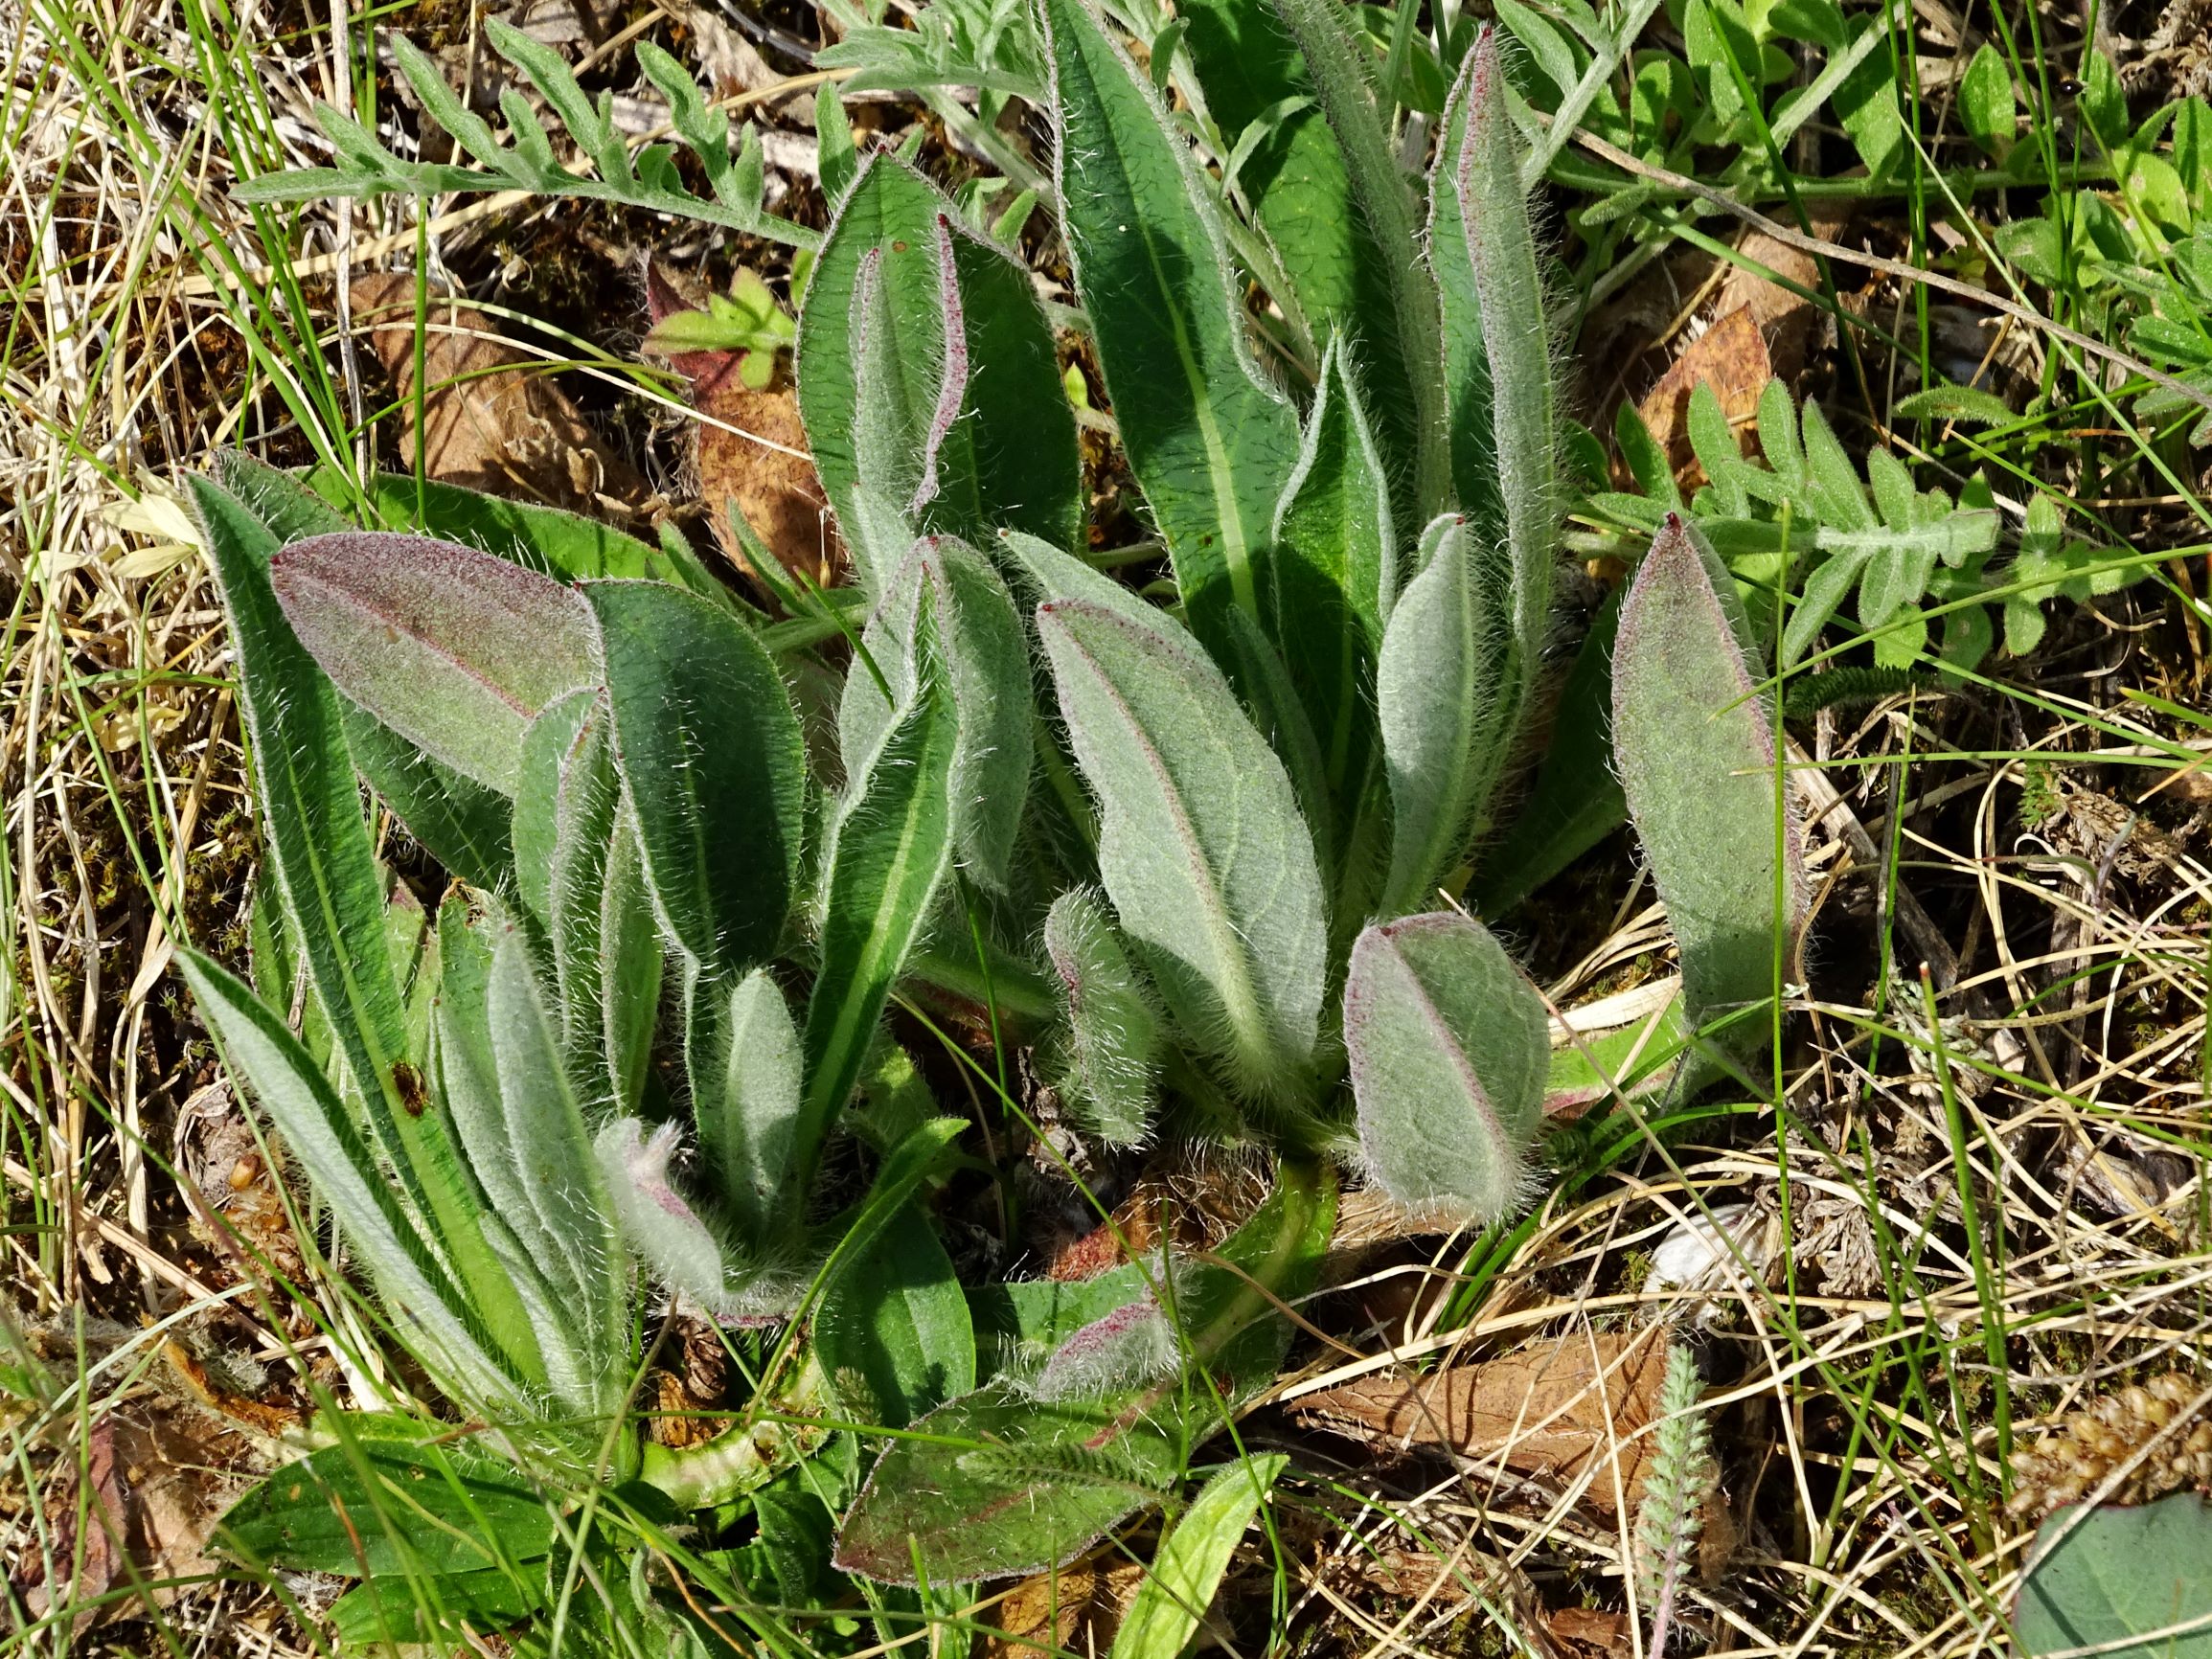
[(1696, 747), (712, 764), (458, 820), (980, 416), (553, 1152), (1210, 441), (606, 949), (468, 1078), (1439, 693), (1201, 846), (327, 875), (1192, 1558), (317, 840), (1294, 174), (1001, 1483), (1332, 576), (746, 1077), (1270, 697), (1113, 1032), (454, 649), (571, 1284), (1449, 1047), (535, 820), (321, 1135), (1496, 356), (889, 849), (985, 665), (1343, 73), (892, 1329)]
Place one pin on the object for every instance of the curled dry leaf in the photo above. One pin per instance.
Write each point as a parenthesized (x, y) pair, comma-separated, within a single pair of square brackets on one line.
[(1730, 356), (1076, 1610), (492, 420), (752, 451), (1559, 1410), (157, 1476)]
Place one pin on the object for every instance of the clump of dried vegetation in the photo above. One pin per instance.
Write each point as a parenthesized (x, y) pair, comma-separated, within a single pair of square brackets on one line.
[(1941, 1255)]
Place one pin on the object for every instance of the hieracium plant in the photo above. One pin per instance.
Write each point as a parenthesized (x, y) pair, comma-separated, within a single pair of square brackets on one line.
[(1215, 850)]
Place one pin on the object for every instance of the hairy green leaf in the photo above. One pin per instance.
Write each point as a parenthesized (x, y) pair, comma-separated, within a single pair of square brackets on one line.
[(1696, 749), (746, 1080), (892, 1329), (461, 822), (712, 764), (1333, 577), (1441, 700), (2126, 1582), (986, 439), (1497, 362), (684, 1247), (985, 665), (1449, 1046), (559, 1175), (1114, 1035), (467, 1074), (1201, 846), (373, 1506), (454, 649), (889, 849), (1344, 76), (321, 1135), (606, 949), (1210, 441), (1001, 1482), (536, 811), (318, 845)]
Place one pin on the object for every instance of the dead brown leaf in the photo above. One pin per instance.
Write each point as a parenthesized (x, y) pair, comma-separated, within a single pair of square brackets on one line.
[(1557, 1410), (762, 464), (1591, 1633), (1731, 358), (493, 419), (90, 1513), (1076, 1610), (1787, 320), (155, 1479)]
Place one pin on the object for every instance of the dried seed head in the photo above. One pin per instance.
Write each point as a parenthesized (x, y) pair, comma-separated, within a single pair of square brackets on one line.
[(2085, 1449)]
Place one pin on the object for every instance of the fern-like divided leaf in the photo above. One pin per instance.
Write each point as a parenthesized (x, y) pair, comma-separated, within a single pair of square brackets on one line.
[(364, 168), (1804, 517)]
